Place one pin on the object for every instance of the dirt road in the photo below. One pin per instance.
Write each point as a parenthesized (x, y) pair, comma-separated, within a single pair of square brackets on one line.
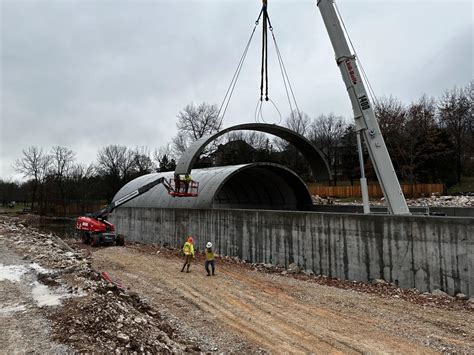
[(276, 313)]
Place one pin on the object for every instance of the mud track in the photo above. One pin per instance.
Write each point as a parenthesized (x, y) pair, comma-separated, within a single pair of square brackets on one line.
[(275, 313)]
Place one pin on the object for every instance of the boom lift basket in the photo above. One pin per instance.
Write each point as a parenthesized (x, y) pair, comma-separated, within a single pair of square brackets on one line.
[(183, 189)]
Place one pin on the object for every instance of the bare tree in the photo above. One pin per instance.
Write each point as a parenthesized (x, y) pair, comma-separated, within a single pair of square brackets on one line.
[(392, 116), (80, 172), (115, 160), (80, 178), (142, 160), (34, 164), (164, 158), (418, 126), (326, 134), (455, 115), (62, 160), (180, 143), (115, 163), (390, 113), (195, 122), (298, 122)]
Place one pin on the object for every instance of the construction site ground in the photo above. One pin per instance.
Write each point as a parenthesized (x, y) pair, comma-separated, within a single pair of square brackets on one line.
[(245, 308)]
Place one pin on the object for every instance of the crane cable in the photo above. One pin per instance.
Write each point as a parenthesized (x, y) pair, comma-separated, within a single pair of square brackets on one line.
[(286, 78), (233, 82), (266, 24), (264, 71), (264, 68)]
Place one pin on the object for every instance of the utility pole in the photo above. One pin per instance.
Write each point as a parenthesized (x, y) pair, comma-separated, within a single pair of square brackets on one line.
[(364, 115)]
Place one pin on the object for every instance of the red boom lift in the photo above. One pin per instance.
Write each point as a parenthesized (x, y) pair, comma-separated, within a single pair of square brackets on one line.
[(94, 227)]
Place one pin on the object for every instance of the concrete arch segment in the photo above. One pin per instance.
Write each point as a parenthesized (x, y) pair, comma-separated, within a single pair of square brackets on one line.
[(248, 186), (319, 166)]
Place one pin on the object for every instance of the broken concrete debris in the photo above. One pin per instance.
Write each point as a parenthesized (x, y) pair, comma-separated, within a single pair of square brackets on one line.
[(102, 317), (434, 200)]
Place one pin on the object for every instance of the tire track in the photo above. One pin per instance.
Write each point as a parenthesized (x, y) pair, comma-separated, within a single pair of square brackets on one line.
[(265, 312)]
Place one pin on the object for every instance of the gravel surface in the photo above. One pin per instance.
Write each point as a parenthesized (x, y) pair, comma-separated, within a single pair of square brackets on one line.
[(291, 312), (24, 327)]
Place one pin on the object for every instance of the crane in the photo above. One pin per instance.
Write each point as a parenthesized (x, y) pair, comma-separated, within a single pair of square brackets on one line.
[(364, 116)]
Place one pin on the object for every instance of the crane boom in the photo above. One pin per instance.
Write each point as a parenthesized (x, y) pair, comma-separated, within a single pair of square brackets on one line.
[(363, 112)]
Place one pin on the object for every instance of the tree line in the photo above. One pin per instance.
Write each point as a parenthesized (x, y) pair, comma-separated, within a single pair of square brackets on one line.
[(429, 140)]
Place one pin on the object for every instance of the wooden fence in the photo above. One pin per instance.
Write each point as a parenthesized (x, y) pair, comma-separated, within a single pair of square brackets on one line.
[(409, 190)]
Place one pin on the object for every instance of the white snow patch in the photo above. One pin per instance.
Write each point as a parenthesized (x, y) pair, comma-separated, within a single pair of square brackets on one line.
[(43, 295), (12, 272), (39, 268)]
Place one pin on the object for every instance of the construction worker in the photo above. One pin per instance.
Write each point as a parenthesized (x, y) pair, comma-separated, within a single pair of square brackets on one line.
[(177, 183), (188, 250), (210, 259), (187, 180)]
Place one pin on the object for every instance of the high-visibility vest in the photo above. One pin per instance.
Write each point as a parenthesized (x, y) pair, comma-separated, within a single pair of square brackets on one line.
[(209, 254), (188, 249)]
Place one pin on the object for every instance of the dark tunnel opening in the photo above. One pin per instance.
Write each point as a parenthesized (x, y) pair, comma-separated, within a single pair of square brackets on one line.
[(263, 187)]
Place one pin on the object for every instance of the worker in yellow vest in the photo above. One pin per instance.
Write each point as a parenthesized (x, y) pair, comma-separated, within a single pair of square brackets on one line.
[(187, 180), (210, 259), (188, 250)]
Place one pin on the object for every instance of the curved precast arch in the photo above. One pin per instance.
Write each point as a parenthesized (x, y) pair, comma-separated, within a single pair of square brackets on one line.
[(248, 186), (319, 166)]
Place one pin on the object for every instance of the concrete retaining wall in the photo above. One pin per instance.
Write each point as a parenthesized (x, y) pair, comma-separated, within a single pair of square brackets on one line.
[(420, 252)]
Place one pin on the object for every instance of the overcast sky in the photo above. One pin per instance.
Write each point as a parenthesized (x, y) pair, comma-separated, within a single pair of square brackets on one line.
[(85, 74)]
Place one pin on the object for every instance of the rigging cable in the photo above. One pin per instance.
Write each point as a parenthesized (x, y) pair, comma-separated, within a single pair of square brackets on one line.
[(284, 74), (264, 72), (266, 24), (233, 82), (264, 65)]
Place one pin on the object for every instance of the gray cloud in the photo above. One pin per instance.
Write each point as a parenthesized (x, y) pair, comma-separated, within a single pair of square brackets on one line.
[(88, 74)]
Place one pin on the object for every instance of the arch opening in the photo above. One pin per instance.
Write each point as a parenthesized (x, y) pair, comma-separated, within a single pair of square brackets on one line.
[(319, 166), (266, 187)]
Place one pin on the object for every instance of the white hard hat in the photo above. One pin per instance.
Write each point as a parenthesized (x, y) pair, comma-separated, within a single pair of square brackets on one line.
[(209, 245)]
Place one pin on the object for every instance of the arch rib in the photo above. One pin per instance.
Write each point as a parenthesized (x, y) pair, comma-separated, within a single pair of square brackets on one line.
[(319, 166)]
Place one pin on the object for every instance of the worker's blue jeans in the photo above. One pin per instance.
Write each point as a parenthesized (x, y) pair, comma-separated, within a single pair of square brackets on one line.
[(212, 266)]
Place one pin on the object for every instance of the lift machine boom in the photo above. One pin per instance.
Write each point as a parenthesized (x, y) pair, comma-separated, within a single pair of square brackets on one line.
[(96, 230)]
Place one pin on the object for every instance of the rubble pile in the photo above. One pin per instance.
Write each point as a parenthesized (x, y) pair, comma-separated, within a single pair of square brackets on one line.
[(318, 200), (46, 249), (435, 200), (442, 201), (115, 321), (100, 316)]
